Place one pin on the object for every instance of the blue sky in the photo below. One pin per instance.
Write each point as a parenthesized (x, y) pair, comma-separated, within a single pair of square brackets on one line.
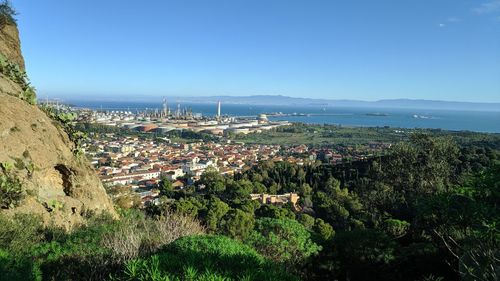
[(368, 50)]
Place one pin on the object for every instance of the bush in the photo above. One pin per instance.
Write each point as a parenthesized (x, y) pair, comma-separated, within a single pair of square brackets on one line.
[(11, 189), (31, 251), (205, 257), (20, 232), (283, 240), (137, 235), (17, 268), (16, 75)]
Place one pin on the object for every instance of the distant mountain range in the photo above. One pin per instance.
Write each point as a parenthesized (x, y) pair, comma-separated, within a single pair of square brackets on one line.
[(387, 103), (293, 101)]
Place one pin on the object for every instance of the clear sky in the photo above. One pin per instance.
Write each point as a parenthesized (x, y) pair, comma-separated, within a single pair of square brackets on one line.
[(369, 50)]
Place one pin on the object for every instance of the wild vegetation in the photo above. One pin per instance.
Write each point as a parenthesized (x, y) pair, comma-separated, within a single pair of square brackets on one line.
[(11, 189), (329, 135), (7, 13), (15, 74), (426, 210), (65, 120)]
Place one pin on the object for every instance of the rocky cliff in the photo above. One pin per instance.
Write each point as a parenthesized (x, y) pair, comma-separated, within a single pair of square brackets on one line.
[(10, 45), (56, 184)]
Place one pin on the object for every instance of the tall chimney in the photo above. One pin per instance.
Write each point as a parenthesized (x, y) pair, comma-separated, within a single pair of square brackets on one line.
[(218, 109)]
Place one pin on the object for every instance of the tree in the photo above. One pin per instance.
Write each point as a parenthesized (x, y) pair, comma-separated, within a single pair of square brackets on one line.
[(396, 228), (304, 189), (465, 223), (306, 220), (239, 189), (425, 165), (283, 240), (275, 212), (188, 206), (338, 206), (216, 211), (323, 229), (259, 187), (363, 254), (213, 181), (165, 187), (249, 206), (238, 224)]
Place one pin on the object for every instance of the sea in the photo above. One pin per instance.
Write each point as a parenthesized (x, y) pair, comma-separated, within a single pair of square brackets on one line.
[(456, 120)]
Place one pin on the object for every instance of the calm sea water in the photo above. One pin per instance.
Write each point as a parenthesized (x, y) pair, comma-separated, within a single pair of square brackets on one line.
[(403, 118)]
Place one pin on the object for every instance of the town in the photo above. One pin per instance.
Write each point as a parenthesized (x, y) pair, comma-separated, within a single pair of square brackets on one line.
[(133, 153), (136, 164)]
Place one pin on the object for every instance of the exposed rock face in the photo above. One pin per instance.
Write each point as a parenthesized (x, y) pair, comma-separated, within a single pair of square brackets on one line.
[(10, 46), (62, 188)]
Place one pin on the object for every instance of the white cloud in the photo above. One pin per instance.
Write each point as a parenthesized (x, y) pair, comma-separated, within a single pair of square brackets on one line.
[(488, 7), (441, 25)]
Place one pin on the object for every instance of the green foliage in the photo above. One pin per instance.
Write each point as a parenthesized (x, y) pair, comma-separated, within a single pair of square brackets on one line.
[(338, 205), (19, 233), (410, 215), (363, 253), (11, 189), (212, 181), (425, 165), (7, 13), (306, 220), (396, 228), (66, 121), (272, 211), (238, 224), (190, 206), (55, 205), (204, 258), (165, 187), (239, 190), (322, 135), (6, 166), (14, 73), (324, 230), (465, 222), (217, 209), (13, 267), (283, 240), (31, 251)]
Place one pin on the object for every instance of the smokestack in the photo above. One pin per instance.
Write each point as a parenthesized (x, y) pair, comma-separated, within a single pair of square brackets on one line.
[(218, 109)]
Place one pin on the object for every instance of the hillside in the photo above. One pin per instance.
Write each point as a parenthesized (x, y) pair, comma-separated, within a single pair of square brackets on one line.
[(40, 173)]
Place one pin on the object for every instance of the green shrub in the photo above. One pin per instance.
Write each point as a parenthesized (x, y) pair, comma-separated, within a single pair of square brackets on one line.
[(135, 235), (66, 122), (283, 240), (16, 75), (17, 268), (30, 251), (20, 232), (204, 257), (11, 189)]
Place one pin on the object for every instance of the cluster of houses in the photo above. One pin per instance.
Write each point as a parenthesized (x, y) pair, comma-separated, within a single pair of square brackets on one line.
[(140, 164)]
